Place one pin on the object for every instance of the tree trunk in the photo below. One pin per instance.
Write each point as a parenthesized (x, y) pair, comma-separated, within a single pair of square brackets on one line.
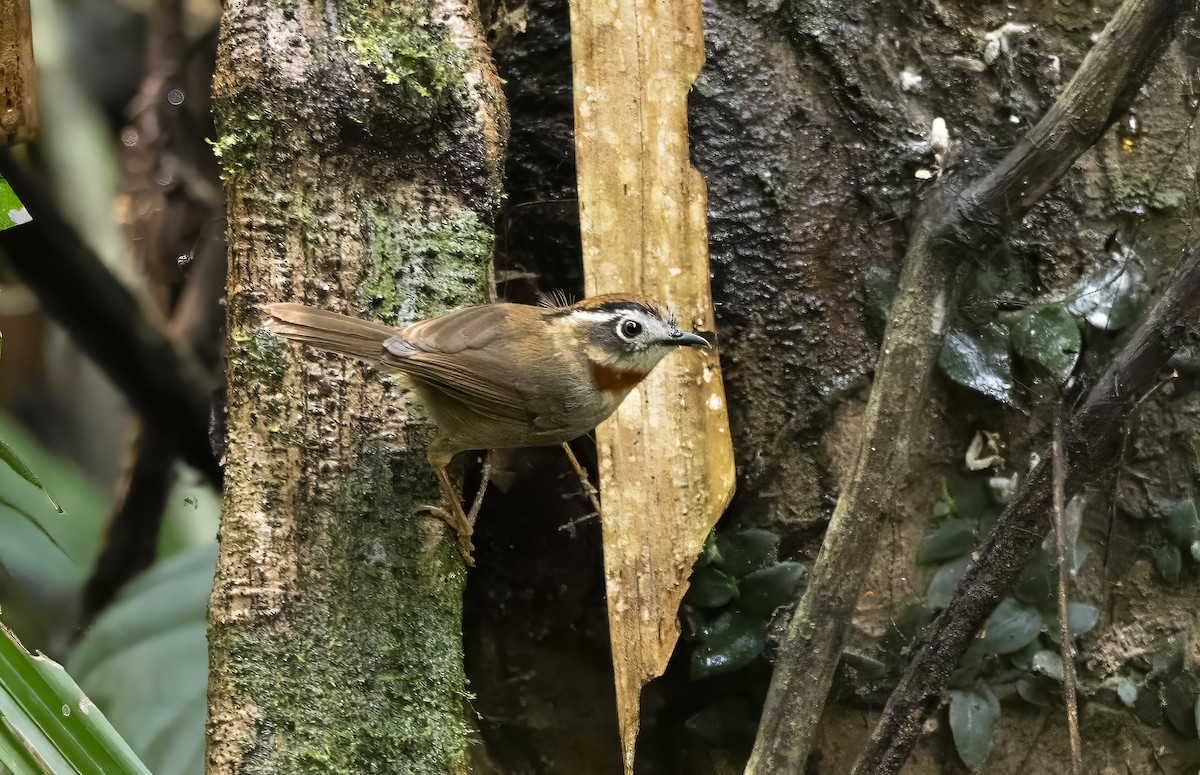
[(361, 145)]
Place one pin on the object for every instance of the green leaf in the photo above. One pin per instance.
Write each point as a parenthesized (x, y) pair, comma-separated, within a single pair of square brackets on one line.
[(12, 212), (711, 588), (746, 551), (733, 641), (1147, 706), (973, 715), (1169, 562), (1081, 618), (10, 457), (1038, 690), (1022, 659), (979, 360), (1048, 663), (35, 522), (145, 661), (1183, 524), (1109, 298), (48, 719), (1127, 692), (945, 582), (728, 723), (1048, 337), (1168, 654), (1196, 712), (1012, 626), (765, 590), (1036, 581), (953, 538), (708, 555), (902, 632), (1180, 710)]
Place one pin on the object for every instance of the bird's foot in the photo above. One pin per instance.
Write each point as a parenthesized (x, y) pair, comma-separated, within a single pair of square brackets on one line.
[(457, 521)]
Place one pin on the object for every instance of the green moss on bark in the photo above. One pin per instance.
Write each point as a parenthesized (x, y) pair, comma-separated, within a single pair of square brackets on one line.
[(423, 271), (391, 618), (402, 48)]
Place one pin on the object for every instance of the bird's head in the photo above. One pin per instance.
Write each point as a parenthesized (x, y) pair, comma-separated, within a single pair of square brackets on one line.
[(625, 336)]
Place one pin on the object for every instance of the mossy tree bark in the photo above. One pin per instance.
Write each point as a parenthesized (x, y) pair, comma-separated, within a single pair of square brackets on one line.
[(362, 147)]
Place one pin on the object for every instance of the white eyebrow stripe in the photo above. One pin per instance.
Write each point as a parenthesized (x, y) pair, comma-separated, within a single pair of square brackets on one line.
[(597, 317)]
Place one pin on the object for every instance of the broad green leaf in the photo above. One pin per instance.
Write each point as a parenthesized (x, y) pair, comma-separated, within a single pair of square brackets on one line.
[(729, 722), (902, 632), (711, 588), (953, 538), (1110, 298), (1183, 524), (1148, 706), (1168, 654), (145, 661), (945, 582), (25, 553), (979, 360), (733, 641), (1022, 659), (1038, 690), (1169, 562), (1012, 626), (1196, 713), (35, 522), (10, 458), (1048, 337), (1127, 691), (746, 551), (48, 719), (1081, 618), (765, 590), (1048, 663), (1036, 581), (973, 715), (971, 498), (1180, 710), (708, 554)]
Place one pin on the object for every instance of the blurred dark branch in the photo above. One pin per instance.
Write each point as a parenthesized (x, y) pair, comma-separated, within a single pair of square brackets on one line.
[(170, 201), (131, 540), (163, 385), (958, 219), (1093, 440)]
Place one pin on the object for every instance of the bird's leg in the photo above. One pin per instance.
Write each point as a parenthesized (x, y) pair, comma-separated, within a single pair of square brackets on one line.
[(451, 510), (484, 478), (588, 490)]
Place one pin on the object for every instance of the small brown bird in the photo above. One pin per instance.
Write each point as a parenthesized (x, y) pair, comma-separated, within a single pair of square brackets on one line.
[(500, 376)]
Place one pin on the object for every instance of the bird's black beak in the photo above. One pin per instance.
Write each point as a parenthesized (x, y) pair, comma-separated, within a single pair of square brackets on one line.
[(683, 339)]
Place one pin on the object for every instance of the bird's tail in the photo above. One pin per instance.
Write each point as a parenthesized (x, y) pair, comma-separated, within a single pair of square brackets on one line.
[(328, 330)]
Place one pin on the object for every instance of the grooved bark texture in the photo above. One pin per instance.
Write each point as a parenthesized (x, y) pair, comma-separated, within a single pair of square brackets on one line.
[(18, 116), (361, 144)]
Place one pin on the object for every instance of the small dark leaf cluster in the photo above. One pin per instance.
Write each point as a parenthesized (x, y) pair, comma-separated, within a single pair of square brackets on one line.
[(1045, 337), (737, 588), (1182, 548)]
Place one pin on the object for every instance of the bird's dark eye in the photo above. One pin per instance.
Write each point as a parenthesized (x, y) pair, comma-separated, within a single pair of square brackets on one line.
[(630, 329)]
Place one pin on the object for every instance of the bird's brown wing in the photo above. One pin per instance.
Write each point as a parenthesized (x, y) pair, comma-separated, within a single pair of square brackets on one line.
[(471, 355)]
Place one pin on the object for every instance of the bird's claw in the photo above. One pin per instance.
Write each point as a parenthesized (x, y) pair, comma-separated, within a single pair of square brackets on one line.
[(461, 528)]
